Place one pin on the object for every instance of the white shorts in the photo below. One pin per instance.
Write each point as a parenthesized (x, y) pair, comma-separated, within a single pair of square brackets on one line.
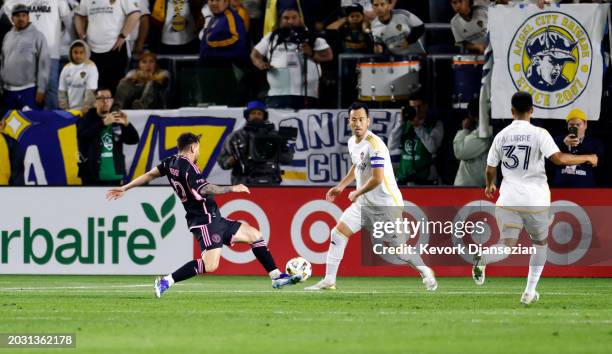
[(352, 217), (511, 222)]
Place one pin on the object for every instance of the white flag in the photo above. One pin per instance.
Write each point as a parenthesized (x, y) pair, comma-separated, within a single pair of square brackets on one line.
[(554, 54)]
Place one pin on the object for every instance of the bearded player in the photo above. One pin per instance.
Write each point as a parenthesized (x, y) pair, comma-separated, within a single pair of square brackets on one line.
[(209, 228), (377, 196)]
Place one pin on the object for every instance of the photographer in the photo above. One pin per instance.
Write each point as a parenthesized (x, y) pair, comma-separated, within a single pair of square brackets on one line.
[(577, 142), (291, 56), (255, 152), (101, 134)]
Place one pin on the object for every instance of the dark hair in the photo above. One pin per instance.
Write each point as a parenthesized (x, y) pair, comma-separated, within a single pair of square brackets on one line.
[(389, 1), (359, 105), (77, 44), (102, 88), (186, 139), (522, 102)]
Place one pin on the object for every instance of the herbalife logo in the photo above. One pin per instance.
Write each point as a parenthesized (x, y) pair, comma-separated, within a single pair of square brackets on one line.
[(166, 208), (102, 240)]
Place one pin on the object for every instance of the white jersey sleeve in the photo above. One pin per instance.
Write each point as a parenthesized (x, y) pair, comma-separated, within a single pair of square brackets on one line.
[(494, 158), (548, 147)]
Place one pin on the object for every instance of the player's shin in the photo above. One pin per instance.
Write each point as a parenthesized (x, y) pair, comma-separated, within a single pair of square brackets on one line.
[(334, 255), (415, 261), (536, 266), (263, 255), (189, 270)]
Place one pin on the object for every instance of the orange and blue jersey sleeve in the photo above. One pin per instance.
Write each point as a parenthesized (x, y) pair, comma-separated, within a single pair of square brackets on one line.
[(226, 32)]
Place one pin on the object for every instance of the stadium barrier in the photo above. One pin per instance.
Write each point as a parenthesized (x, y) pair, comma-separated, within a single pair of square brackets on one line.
[(145, 232)]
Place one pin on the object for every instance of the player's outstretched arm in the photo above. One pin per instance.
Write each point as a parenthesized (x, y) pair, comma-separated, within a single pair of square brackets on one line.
[(563, 159), (333, 192), (378, 175), (116, 193), (214, 189)]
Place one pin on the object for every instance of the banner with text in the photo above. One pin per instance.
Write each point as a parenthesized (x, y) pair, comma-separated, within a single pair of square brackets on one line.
[(553, 53), (321, 157)]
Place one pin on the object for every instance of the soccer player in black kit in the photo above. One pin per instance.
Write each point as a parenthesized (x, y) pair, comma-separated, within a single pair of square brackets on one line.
[(210, 229)]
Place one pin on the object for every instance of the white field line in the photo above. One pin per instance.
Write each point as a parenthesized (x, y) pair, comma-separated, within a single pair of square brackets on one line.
[(126, 288)]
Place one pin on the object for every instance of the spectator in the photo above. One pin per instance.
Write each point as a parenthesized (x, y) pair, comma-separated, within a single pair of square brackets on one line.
[(421, 139), (143, 87), (69, 34), (237, 150), (78, 80), (366, 5), (138, 38), (255, 10), (469, 25), (225, 39), (283, 53), (11, 159), (24, 63), (242, 12), (577, 142), (471, 151), (177, 23), (105, 27), (274, 11), (350, 31), (47, 17), (396, 31), (100, 136)]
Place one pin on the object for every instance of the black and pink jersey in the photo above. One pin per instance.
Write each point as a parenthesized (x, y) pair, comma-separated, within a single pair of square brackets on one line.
[(187, 181)]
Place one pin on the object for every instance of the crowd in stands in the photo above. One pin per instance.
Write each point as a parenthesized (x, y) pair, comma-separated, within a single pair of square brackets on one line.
[(100, 57)]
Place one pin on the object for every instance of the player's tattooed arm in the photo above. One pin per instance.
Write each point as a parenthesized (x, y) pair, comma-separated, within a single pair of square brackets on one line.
[(215, 189)]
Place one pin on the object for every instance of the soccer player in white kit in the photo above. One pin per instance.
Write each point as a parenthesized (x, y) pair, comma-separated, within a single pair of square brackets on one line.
[(524, 197), (376, 187)]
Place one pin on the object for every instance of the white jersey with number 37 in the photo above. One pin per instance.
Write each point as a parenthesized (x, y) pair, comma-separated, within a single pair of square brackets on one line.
[(521, 148), (370, 153)]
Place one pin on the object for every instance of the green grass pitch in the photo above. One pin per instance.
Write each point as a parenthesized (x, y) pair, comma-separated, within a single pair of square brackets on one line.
[(231, 314)]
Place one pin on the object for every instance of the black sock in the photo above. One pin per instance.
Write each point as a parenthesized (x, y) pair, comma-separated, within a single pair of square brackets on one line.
[(189, 270), (263, 255)]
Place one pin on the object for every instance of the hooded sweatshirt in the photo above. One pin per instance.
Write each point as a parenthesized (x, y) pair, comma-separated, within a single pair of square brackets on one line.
[(76, 80), (25, 60)]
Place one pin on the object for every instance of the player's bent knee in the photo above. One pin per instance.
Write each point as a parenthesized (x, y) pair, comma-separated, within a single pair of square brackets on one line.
[(211, 266)]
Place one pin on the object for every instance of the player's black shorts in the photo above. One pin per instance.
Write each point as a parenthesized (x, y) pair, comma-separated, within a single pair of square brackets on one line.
[(216, 234)]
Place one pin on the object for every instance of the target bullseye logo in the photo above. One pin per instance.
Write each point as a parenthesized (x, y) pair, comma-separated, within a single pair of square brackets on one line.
[(473, 207), (245, 206), (565, 245), (317, 232)]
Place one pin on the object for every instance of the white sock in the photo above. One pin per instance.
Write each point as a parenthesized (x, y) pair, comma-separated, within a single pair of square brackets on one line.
[(492, 258), (274, 274), (169, 279), (416, 262), (536, 266), (334, 255)]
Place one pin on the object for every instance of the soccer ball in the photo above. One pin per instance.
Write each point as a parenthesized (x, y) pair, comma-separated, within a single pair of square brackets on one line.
[(299, 265)]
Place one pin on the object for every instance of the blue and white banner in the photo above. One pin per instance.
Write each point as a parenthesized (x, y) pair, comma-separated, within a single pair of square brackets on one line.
[(554, 53), (321, 157)]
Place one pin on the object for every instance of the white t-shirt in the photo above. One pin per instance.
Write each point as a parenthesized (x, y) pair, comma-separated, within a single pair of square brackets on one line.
[(69, 34), (371, 152), (144, 11), (521, 148), (473, 31), (105, 21), (76, 79), (177, 35), (46, 16), (395, 32), (286, 77)]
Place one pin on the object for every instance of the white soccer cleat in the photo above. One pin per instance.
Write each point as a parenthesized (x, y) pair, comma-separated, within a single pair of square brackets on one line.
[(529, 298), (322, 285), (478, 270), (429, 280)]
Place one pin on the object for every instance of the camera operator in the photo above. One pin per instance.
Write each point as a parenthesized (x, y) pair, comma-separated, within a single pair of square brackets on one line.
[(255, 152), (291, 56), (577, 142)]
